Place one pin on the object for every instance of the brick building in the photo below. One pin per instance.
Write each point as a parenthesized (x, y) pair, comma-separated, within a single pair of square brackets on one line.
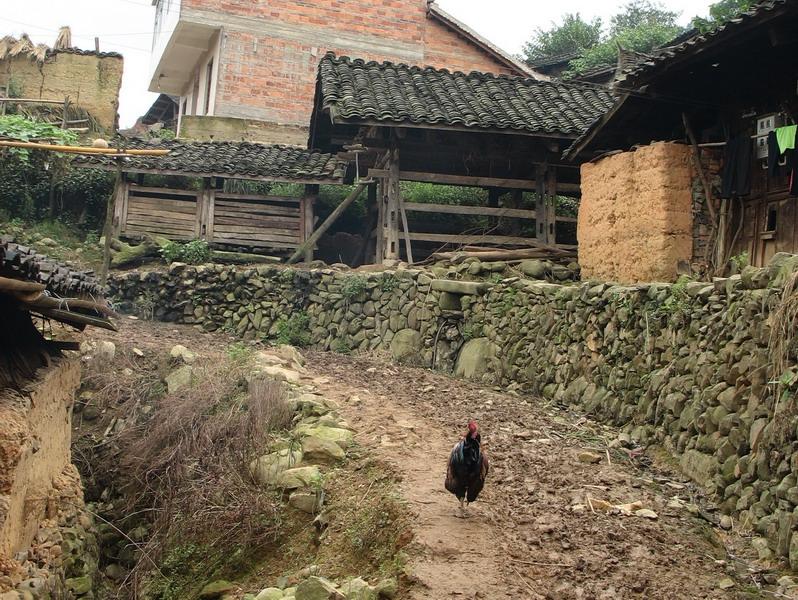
[(246, 69)]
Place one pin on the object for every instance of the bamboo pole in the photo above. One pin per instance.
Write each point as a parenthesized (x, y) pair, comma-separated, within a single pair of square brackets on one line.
[(81, 149)]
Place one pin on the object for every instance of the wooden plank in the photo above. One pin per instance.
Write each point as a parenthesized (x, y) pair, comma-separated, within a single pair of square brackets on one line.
[(163, 214), (152, 223), (457, 209), (467, 181), (257, 231), (256, 198), (240, 206), (134, 188), (188, 208), (226, 238), (542, 224), (185, 205), (255, 221), (469, 239), (257, 235)]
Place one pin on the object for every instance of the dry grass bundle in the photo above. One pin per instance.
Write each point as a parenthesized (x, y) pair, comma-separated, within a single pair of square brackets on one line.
[(11, 47), (782, 349), (188, 466), (64, 39)]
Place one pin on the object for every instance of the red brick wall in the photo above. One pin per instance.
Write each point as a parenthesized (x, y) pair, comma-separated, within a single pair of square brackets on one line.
[(445, 49), (271, 76)]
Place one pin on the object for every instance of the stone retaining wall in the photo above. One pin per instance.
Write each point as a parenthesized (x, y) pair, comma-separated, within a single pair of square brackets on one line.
[(685, 365)]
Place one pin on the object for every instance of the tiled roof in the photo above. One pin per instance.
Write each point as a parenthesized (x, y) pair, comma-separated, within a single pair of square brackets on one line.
[(645, 70), (25, 264), (357, 91), (234, 160), (697, 42)]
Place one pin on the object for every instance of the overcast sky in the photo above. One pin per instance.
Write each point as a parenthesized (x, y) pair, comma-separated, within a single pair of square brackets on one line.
[(126, 27)]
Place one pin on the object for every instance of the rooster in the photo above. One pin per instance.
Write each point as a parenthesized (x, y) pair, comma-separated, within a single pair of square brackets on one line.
[(468, 468)]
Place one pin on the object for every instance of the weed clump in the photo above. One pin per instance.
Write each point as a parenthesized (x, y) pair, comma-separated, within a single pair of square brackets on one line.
[(187, 468)]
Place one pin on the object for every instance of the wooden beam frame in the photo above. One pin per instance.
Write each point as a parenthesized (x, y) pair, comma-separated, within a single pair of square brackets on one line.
[(331, 181), (409, 125), (468, 181)]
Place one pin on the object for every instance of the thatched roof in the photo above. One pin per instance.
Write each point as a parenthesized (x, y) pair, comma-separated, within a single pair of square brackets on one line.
[(11, 47)]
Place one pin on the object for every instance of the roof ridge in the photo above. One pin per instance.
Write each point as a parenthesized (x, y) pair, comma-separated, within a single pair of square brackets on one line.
[(454, 23), (340, 59)]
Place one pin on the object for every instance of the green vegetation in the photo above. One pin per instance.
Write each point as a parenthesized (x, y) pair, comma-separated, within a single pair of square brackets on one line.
[(720, 12), (640, 25), (574, 34), (294, 330), (389, 282), (740, 261), (194, 252), (239, 352), (353, 287), (341, 346), (678, 301)]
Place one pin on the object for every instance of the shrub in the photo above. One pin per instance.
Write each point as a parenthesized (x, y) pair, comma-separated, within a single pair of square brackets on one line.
[(194, 252), (353, 287), (294, 330)]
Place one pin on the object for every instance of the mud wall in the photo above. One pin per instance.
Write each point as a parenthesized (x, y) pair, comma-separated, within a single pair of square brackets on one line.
[(45, 539), (686, 366), (92, 81), (635, 217)]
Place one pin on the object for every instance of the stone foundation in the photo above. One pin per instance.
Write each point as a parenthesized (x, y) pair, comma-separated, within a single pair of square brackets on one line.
[(684, 366)]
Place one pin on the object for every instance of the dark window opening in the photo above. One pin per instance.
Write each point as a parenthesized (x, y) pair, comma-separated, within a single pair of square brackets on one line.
[(208, 82), (773, 214)]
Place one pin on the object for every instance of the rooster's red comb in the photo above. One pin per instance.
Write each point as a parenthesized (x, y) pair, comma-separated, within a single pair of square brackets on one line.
[(472, 426)]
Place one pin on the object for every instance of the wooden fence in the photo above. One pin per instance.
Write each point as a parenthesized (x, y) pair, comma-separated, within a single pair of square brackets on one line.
[(393, 223), (248, 220)]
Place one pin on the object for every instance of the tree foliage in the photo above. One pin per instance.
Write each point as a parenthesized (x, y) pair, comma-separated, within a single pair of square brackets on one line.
[(640, 25), (574, 34), (720, 12), (32, 182)]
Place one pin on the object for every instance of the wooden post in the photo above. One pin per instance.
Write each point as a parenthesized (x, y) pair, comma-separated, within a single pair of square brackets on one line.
[(108, 228), (322, 229), (379, 253), (551, 206), (493, 202), (208, 209), (309, 202), (202, 209), (391, 217), (542, 230), (120, 206), (370, 223)]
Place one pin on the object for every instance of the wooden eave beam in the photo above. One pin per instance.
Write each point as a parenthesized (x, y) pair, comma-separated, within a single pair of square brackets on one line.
[(463, 180), (222, 175), (443, 127)]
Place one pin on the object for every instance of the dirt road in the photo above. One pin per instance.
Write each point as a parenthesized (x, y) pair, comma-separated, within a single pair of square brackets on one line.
[(532, 534)]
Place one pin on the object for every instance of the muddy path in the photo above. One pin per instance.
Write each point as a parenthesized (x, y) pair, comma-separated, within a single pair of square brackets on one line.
[(533, 533)]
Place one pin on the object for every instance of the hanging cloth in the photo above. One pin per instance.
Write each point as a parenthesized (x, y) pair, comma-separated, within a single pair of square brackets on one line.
[(773, 154), (736, 176), (785, 137)]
